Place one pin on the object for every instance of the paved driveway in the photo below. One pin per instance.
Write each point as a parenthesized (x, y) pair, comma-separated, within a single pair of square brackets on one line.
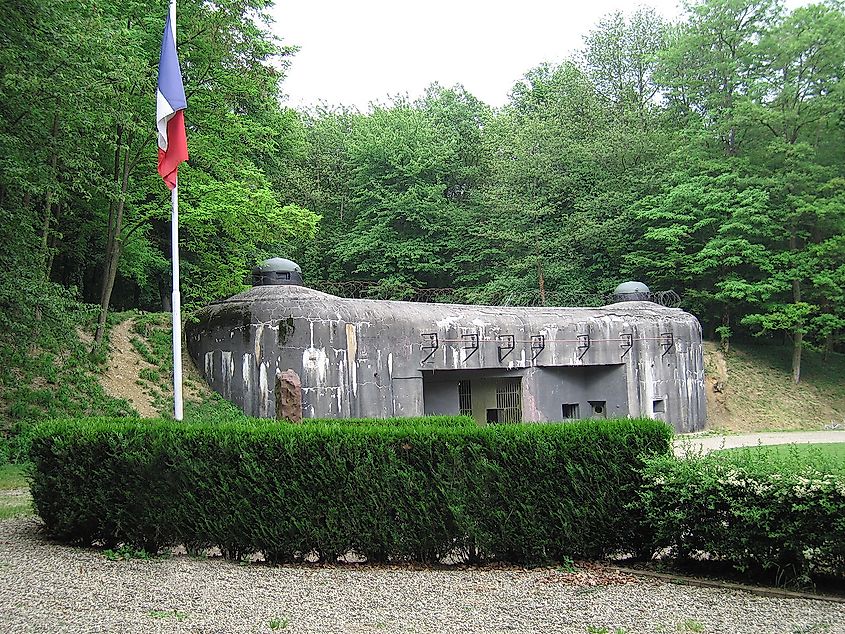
[(707, 442)]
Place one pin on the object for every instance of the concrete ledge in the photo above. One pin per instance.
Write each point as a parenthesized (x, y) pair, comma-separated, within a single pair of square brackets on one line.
[(725, 585)]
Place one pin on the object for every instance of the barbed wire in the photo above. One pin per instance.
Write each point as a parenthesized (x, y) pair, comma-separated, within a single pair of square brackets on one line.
[(363, 289)]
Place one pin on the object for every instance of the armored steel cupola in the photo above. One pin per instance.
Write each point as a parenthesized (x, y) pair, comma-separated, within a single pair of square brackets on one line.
[(632, 292), (276, 271)]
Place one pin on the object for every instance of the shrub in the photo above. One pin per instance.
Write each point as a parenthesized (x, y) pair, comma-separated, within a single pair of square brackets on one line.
[(15, 443), (392, 492), (764, 515)]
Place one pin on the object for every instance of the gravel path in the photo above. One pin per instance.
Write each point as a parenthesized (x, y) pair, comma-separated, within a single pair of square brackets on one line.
[(45, 587), (708, 442)]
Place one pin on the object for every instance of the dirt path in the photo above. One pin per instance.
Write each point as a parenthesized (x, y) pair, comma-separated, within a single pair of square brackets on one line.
[(708, 443), (120, 379)]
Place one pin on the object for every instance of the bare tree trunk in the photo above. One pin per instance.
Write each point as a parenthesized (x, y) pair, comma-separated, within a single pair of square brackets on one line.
[(114, 245), (48, 202), (797, 338), (45, 225), (53, 244), (798, 332), (541, 280), (797, 347)]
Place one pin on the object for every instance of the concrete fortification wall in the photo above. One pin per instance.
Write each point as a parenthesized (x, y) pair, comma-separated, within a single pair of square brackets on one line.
[(369, 358)]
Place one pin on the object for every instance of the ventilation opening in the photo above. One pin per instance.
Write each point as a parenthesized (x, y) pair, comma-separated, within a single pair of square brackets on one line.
[(508, 401), (599, 409), (571, 411), (465, 398), (658, 406)]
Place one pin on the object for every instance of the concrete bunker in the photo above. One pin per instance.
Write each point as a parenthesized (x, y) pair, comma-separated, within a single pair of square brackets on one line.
[(373, 358)]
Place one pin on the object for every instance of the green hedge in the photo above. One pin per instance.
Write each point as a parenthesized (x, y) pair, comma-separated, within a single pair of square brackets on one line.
[(411, 421), (522, 493), (767, 517)]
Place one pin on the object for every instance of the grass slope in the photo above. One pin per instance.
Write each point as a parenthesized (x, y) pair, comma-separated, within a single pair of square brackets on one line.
[(14, 492), (56, 378), (751, 389), (151, 340)]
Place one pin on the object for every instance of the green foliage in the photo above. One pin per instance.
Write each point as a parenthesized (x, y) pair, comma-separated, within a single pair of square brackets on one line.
[(411, 421), (522, 493), (767, 514), (15, 442), (59, 379), (705, 156), (277, 623), (168, 614), (822, 457), (125, 553)]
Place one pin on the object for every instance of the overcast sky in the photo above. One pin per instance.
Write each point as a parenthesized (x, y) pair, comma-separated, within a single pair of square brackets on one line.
[(357, 51)]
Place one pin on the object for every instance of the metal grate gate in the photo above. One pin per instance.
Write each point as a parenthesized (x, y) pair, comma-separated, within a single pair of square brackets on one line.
[(509, 400), (465, 398)]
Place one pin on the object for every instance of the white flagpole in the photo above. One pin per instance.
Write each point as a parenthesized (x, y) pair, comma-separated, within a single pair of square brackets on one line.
[(176, 302)]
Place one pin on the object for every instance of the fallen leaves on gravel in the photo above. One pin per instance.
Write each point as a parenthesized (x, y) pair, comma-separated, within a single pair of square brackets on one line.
[(588, 573)]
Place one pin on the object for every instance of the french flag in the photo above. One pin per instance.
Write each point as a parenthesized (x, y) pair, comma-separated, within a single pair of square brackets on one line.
[(170, 104)]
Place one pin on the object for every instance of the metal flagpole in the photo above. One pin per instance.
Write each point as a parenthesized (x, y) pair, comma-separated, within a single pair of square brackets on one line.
[(176, 302)]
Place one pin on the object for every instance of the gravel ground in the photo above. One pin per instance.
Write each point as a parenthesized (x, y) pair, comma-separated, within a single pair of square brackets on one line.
[(45, 587)]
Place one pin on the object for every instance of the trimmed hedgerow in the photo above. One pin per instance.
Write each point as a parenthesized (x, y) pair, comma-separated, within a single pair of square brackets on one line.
[(522, 493), (767, 517), (411, 421)]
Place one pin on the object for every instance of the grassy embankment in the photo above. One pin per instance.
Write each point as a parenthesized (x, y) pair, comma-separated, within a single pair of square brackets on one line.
[(750, 389)]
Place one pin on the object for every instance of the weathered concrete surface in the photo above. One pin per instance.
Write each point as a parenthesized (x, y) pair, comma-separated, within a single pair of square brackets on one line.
[(374, 358), (696, 443)]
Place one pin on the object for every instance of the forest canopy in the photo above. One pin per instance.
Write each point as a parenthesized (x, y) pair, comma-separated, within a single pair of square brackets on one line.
[(703, 156)]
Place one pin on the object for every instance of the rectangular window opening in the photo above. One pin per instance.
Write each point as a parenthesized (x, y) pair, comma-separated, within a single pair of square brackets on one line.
[(571, 411), (659, 406)]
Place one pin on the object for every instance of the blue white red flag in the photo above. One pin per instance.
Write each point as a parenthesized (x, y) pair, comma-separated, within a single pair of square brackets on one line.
[(170, 102)]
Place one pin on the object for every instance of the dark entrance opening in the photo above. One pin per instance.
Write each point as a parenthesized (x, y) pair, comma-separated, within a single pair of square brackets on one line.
[(489, 396)]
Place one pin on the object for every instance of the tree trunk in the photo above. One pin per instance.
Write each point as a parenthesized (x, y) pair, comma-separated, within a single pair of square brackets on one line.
[(109, 274), (113, 247), (48, 202), (541, 281), (797, 346), (828, 345), (164, 293), (53, 245), (798, 331)]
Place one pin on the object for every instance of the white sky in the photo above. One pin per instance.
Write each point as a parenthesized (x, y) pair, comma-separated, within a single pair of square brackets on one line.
[(357, 51)]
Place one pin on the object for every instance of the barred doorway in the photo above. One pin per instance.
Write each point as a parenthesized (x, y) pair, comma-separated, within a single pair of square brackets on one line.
[(509, 400), (482, 394)]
